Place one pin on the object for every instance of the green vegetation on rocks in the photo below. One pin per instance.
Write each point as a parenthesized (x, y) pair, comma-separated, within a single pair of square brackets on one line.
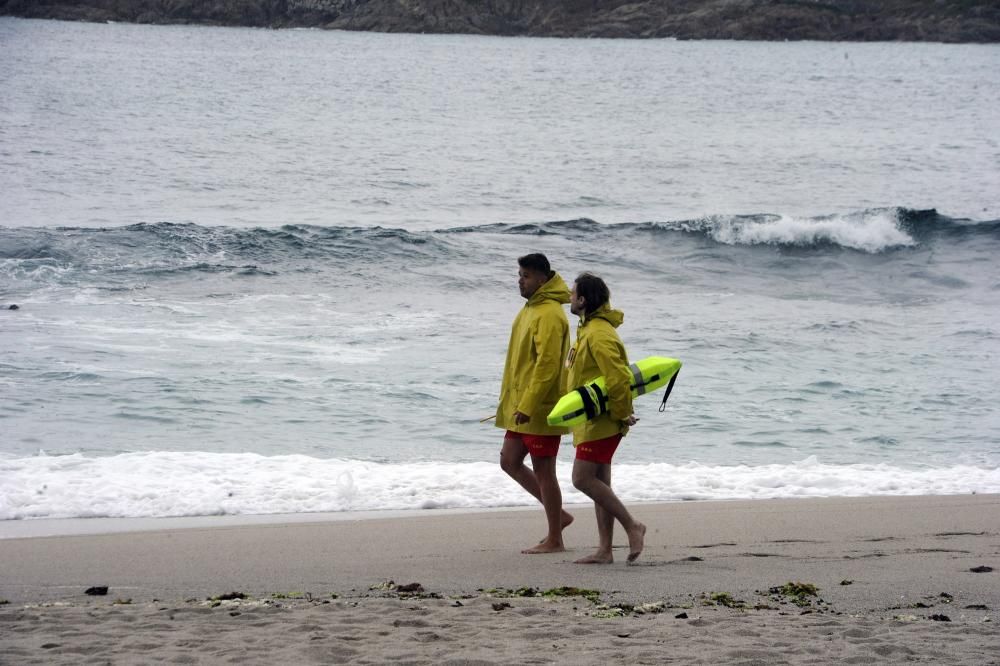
[(798, 593), (725, 599)]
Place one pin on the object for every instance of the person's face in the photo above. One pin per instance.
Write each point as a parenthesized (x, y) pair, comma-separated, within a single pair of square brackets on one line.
[(576, 303), (528, 281)]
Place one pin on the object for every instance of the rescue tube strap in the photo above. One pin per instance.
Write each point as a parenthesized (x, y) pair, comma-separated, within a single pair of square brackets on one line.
[(602, 397), (670, 387), (588, 404), (639, 384)]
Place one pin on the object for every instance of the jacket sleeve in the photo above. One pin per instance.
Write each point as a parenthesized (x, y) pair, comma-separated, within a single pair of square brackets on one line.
[(618, 379), (547, 339)]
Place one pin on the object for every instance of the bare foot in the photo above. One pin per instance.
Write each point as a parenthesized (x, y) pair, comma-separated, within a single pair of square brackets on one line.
[(545, 546), (565, 521), (600, 557), (636, 540)]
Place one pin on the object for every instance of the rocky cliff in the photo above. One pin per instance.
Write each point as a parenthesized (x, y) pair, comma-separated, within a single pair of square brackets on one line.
[(856, 20)]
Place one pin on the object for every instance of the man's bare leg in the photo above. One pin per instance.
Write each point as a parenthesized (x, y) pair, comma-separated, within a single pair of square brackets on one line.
[(551, 497), (512, 457), (589, 479)]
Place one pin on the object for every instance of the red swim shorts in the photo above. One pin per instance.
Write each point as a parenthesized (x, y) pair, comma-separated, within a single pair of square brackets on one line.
[(540, 446), (599, 450)]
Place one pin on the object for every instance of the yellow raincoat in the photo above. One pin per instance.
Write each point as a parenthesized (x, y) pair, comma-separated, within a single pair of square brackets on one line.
[(533, 375), (599, 351)]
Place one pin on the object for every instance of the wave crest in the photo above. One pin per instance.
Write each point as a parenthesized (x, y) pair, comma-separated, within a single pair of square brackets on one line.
[(872, 230), (65, 255), (869, 231)]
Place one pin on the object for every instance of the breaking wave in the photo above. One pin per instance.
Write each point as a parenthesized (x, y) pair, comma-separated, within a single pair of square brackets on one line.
[(872, 231), (68, 255)]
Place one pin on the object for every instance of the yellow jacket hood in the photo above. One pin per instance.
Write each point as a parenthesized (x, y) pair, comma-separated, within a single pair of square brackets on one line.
[(607, 313), (553, 290)]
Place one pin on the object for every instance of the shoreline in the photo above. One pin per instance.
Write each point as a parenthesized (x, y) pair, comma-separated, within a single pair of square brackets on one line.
[(35, 528)]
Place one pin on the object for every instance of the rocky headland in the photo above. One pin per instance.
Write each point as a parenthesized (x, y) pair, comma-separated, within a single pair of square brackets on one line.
[(830, 20)]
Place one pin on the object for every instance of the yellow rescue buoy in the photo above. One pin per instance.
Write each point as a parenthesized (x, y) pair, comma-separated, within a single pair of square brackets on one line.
[(585, 402)]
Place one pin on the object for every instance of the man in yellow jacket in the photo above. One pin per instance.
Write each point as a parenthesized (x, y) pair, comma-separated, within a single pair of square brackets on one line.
[(599, 351), (532, 384)]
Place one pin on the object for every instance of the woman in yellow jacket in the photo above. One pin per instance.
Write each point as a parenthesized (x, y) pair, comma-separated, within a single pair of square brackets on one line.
[(599, 351)]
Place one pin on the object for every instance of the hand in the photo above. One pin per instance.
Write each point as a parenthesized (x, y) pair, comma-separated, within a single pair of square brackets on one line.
[(521, 417), (631, 420)]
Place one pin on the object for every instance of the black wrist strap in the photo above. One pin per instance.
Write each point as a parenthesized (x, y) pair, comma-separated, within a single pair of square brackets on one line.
[(670, 387)]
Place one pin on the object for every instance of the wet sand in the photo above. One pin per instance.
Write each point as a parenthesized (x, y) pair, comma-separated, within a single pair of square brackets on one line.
[(879, 580)]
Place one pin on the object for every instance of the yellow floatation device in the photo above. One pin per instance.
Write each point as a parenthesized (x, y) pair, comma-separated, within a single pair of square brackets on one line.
[(585, 402)]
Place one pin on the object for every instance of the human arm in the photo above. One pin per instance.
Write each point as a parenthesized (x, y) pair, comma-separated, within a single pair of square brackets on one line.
[(612, 362), (547, 339)]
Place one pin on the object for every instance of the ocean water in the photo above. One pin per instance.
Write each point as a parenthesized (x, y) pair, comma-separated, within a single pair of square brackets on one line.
[(274, 271)]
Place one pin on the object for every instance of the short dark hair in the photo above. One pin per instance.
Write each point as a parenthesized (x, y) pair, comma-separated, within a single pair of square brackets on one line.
[(593, 291), (535, 262)]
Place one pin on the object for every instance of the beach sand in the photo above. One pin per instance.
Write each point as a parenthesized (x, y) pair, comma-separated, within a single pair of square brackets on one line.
[(896, 580)]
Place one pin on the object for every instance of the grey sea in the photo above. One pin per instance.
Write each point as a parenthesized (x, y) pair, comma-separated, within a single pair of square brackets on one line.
[(269, 272)]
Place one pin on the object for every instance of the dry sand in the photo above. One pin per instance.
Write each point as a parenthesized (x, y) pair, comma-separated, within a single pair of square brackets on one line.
[(898, 580)]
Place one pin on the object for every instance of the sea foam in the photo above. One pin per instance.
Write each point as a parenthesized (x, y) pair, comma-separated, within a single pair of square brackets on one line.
[(162, 484), (869, 231)]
